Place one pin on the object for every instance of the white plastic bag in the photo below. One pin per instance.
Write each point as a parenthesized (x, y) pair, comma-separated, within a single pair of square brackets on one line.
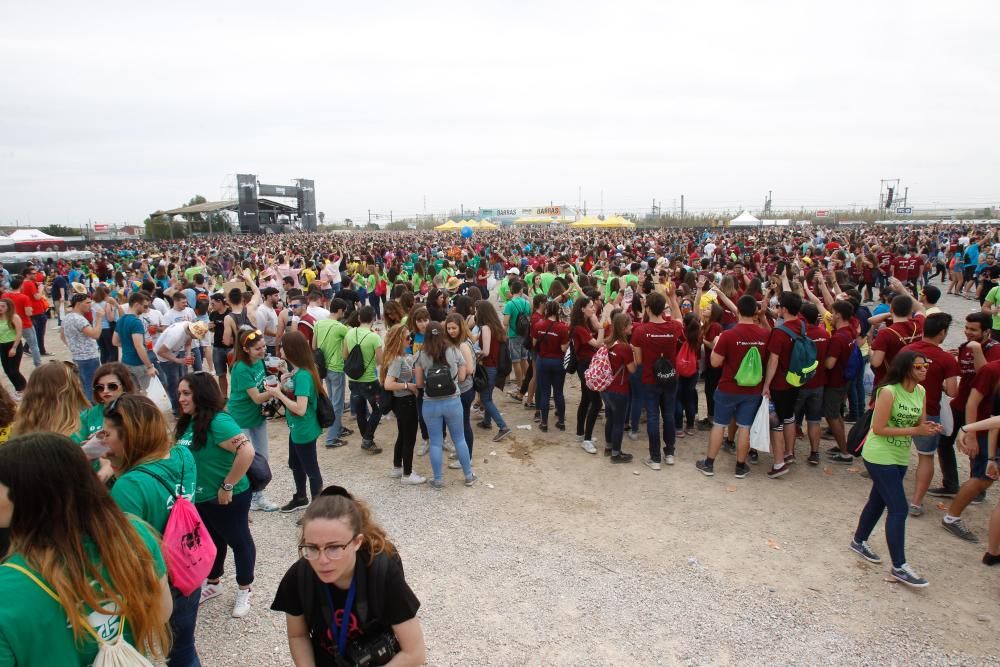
[(491, 282), (947, 418), (158, 395), (760, 432)]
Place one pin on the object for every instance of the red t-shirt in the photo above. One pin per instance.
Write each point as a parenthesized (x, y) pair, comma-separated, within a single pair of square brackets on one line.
[(732, 345), (492, 357), (943, 366), (779, 344), (712, 331), (584, 350), (916, 267), (884, 261), (20, 302), (985, 383), (967, 369), (841, 347), (620, 355), (655, 340), (891, 340), (549, 338), (901, 268), (30, 288), (819, 336)]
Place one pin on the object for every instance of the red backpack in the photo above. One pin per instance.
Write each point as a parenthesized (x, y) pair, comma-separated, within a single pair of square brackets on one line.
[(687, 361), (598, 375)]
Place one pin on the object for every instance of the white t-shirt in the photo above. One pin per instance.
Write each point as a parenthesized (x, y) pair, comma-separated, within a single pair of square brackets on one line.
[(709, 249), (173, 316), (318, 312), (161, 305), (152, 317), (173, 339), (267, 318)]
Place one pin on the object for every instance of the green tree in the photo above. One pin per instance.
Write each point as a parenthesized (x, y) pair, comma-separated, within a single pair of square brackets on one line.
[(59, 230)]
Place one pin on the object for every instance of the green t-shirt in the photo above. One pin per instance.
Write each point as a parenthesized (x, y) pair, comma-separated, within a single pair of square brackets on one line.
[(141, 494), (369, 341), (214, 462), (91, 421), (438, 263), (547, 280), (503, 290), (34, 629), (907, 407), (515, 307), (329, 335), (303, 430), (993, 298), (7, 332), (474, 262), (240, 406)]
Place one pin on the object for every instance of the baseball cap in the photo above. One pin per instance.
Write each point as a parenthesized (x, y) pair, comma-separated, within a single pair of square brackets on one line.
[(218, 296), (514, 271)]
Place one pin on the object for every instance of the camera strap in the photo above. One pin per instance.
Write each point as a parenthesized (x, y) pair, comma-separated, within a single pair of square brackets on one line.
[(345, 620)]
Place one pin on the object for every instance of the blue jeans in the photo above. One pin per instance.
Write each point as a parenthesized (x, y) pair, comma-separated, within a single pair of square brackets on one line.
[(172, 373), (303, 463), (887, 493), (687, 401), (196, 353), (183, 620), (440, 411), (87, 368), (856, 393), (551, 378), (363, 396), (335, 390), (258, 438), (614, 424), (659, 402), (492, 412), (39, 322), (635, 398), (28, 334), (468, 398)]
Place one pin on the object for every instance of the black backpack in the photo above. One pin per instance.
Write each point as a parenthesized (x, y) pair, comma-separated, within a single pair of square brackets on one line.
[(438, 381), (354, 364), (522, 323), (665, 374)]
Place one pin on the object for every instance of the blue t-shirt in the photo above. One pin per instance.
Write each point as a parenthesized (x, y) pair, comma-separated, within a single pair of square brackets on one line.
[(128, 325), (972, 254)]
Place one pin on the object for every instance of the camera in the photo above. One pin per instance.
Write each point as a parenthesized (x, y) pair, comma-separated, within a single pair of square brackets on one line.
[(373, 652)]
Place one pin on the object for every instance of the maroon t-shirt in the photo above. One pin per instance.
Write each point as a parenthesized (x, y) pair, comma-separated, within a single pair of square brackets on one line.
[(841, 347), (619, 355), (734, 344), (821, 339), (891, 340), (581, 337), (655, 340), (943, 366), (550, 337), (967, 369), (779, 344), (492, 357), (985, 383), (884, 261)]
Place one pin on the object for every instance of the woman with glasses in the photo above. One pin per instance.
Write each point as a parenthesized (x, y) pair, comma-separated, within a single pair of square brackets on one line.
[(64, 530), (110, 381), (899, 415), (151, 473), (397, 377), (300, 412), (347, 595), (246, 395), (10, 346), (222, 454), (442, 403)]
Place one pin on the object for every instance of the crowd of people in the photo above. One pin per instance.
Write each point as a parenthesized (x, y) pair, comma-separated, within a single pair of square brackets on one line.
[(781, 328)]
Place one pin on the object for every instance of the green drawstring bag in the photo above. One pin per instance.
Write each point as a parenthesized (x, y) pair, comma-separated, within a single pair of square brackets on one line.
[(751, 370)]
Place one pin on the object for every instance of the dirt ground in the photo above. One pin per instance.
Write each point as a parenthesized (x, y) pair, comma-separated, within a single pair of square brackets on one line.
[(521, 569)]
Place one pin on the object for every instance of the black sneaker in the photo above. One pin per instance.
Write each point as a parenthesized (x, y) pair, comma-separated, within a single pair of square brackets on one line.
[(484, 425), (707, 469), (728, 446), (941, 492), (296, 503), (370, 446), (543, 427), (338, 442), (978, 500), (344, 432), (704, 424), (501, 434), (754, 457), (906, 575), (862, 549), (840, 457), (561, 426), (538, 416), (607, 451), (990, 559), (813, 458), (742, 470), (959, 530), (622, 457), (833, 450)]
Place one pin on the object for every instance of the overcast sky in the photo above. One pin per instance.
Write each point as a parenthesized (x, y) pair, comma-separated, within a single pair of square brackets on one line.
[(111, 110)]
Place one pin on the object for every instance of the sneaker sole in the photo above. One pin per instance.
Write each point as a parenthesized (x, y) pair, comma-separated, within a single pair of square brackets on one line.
[(706, 473), (294, 509), (909, 583), (741, 475)]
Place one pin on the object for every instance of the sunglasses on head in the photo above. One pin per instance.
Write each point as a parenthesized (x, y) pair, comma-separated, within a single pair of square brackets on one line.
[(254, 334)]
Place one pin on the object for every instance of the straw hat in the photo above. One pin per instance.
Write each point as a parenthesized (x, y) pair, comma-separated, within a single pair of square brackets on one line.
[(453, 284), (197, 329), (78, 288)]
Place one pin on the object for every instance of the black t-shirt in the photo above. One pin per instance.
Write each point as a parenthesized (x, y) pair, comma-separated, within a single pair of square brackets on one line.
[(398, 605), (351, 297), (219, 320)]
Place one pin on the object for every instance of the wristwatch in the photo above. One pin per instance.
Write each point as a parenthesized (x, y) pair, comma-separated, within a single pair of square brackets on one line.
[(228, 487)]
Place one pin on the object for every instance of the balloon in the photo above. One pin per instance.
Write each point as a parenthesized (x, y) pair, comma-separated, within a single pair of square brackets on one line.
[(466, 232)]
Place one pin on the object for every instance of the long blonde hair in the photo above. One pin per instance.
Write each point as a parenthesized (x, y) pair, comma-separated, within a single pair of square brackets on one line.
[(52, 401), (395, 346)]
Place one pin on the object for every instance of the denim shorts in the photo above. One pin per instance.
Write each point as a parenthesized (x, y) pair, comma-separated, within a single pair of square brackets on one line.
[(517, 350), (928, 444), (741, 406), (977, 463), (833, 399), (811, 402)]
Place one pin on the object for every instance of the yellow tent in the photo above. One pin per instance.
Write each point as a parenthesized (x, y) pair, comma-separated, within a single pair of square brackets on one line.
[(588, 221), (616, 222), (533, 220), (448, 226), (485, 224)]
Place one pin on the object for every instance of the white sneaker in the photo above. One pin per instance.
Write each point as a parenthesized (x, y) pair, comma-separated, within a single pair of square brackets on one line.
[(669, 460), (449, 446), (413, 479), (588, 447), (261, 504), (423, 448), (455, 465), (632, 435), (652, 464), (396, 473), (580, 438), (209, 591), (242, 606)]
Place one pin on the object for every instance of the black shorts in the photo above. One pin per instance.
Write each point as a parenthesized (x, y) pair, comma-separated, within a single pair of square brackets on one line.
[(968, 272), (784, 403)]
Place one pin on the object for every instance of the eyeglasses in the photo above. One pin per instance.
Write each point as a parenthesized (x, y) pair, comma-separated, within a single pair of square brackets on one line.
[(111, 386), (331, 551)]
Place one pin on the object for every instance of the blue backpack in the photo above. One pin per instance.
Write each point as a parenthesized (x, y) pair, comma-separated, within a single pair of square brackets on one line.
[(802, 363), (854, 363)]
